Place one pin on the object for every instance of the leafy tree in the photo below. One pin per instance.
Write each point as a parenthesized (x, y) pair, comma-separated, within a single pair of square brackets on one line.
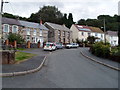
[(70, 20), (47, 14), (91, 39), (82, 22), (13, 36)]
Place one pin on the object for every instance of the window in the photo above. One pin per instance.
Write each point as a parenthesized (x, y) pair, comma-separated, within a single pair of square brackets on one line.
[(88, 34), (34, 33), (33, 39), (6, 28), (59, 33), (14, 29), (27, 38), (101, 36), (63, 33), (82, 33), (28, 31), (40, 32), (96, 34)]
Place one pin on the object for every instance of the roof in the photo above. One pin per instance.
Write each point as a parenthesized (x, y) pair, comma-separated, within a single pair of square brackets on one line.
[(32, 25), (83, 28), (112, 33), (29, 24), (42, 27), (10, 21), (88, 29), (57, 26), (95, 29)]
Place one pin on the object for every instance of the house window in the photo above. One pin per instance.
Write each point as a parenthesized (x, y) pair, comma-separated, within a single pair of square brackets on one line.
[(96, 34), (88, 34), (59, 33), (40, 32), (82, 33), (63, 33), (34, 33), (33, 39), (28, 38), (101, 36), (6, 28), (14, 29), (28, 31)]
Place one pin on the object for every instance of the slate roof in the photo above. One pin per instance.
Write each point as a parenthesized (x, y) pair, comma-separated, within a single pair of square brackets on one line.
[(22, 23), (57, 26), (10, 21), (112, 33)]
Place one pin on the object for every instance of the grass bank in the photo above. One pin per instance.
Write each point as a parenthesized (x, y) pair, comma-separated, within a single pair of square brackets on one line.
[(21, 56)]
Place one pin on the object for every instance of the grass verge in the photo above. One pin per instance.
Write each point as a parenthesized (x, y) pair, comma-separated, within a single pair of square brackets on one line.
[(21, 56)]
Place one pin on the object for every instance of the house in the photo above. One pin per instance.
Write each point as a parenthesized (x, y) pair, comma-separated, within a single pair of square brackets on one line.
[(30, 31), (34, 32), (10, 25), (58, 33), (82, 32), (112, 37)]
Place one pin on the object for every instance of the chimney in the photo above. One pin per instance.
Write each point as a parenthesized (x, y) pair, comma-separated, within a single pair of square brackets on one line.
[(40, 22)]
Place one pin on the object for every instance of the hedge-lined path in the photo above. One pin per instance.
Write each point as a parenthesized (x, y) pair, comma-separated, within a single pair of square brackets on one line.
[(107, 61)]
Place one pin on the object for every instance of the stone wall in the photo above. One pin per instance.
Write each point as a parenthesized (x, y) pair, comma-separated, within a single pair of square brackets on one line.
[(8, 57)]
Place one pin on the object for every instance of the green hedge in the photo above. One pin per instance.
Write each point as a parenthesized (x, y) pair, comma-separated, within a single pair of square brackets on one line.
[(100, 49)]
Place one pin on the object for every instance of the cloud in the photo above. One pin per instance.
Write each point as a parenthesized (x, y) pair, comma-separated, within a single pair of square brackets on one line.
[(80, 8)]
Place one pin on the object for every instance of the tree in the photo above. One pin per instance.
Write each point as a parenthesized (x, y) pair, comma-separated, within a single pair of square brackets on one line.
[(118, 30), (91, 39), (82, 22), (47, 14), (65, 20), (13, 36), (70, 20)]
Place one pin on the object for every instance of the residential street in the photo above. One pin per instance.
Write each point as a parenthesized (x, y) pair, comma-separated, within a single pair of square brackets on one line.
[(66, 68)]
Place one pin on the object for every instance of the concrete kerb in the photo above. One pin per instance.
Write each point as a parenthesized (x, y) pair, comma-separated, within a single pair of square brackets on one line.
[(112, 67), (24, 72)]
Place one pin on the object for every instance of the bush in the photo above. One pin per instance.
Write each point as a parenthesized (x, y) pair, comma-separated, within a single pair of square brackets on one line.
[(100, 50)]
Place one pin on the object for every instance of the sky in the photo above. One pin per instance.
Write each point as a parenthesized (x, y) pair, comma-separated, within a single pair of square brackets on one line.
[(81, 9)]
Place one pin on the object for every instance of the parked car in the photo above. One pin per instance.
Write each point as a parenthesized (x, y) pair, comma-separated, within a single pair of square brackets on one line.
[(72, 45), (59, 45), (75, 45), (50, 46), (68, 46)]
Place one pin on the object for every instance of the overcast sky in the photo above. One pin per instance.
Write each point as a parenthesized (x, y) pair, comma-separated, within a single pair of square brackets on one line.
[(81, 9)]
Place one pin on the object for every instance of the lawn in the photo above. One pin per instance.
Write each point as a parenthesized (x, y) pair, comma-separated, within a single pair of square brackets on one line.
[(21, 56)]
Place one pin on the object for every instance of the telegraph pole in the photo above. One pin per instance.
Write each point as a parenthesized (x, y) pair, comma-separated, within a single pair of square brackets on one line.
[(104, 31)]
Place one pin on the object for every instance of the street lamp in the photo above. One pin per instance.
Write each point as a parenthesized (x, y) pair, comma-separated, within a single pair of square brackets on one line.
[(2, 2), (1, 32)]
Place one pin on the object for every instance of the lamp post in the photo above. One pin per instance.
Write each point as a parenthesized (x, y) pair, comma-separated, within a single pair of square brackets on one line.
[(1, 32)]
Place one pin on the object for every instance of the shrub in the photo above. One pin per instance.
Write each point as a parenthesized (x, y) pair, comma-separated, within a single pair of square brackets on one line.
[(100, 50)]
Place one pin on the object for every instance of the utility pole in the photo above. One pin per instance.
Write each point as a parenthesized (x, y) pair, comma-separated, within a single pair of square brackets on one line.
[(104, 31)]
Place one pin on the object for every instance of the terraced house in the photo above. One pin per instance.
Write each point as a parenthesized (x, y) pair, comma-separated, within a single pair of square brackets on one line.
[(81, 32), (58, 33), (30, 31)]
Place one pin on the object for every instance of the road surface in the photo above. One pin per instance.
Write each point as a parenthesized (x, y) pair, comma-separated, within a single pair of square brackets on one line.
[(66, 68)]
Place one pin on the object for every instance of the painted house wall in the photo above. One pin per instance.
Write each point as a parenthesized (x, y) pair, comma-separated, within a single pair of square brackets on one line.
[(113, 40)]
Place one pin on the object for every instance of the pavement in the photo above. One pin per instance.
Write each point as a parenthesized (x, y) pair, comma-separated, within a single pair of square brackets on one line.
[(106, 61), (29, 64)]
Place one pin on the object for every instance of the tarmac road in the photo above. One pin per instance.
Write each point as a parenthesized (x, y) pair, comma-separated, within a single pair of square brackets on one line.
[(66, 68)]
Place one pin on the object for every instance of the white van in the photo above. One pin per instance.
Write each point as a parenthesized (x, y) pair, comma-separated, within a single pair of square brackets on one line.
[(50, 46)]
